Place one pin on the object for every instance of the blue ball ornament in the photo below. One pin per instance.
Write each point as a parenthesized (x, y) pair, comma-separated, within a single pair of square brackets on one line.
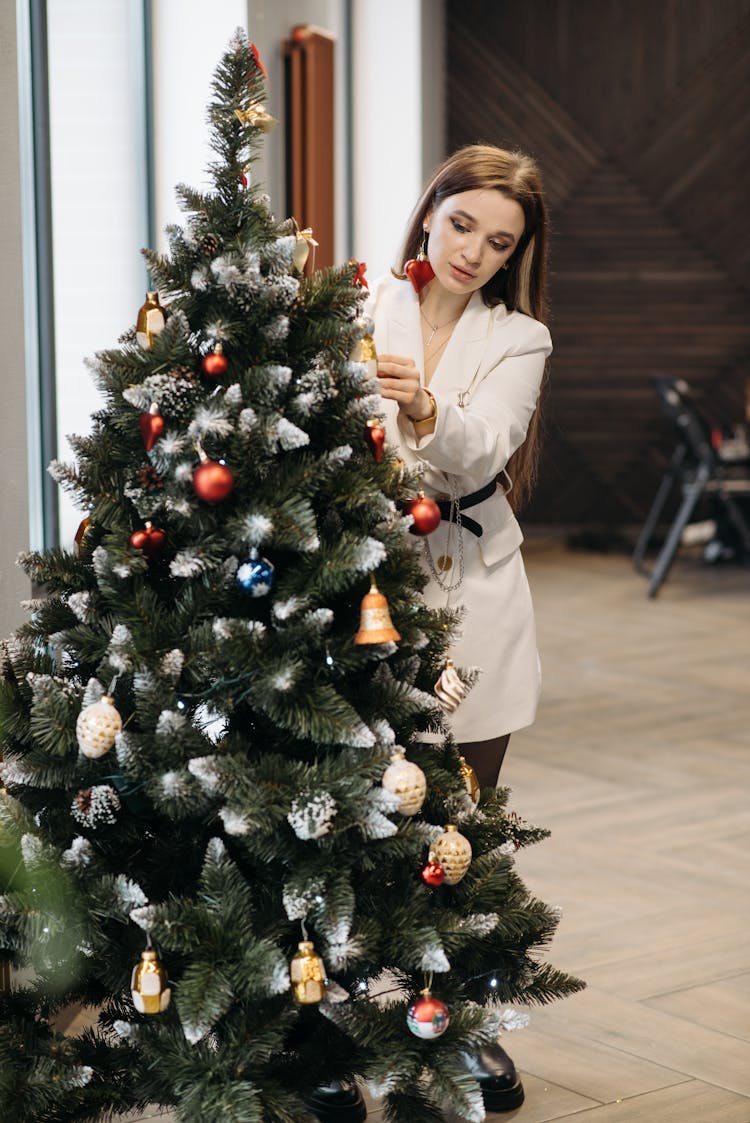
[(255, 576)]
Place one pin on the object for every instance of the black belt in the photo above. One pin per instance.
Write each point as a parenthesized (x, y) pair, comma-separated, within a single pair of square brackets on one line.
[(447, 508)]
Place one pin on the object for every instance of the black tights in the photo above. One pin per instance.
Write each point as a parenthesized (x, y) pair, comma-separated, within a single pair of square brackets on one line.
[(486, 758)]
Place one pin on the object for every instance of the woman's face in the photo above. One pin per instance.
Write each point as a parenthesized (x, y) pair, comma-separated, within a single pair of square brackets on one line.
[(472, 235)]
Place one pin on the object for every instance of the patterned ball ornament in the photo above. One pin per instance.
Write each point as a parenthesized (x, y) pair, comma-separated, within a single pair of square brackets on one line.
[(427, 1017), (97, 726), (453, 852), (256, 576), (406, 781)]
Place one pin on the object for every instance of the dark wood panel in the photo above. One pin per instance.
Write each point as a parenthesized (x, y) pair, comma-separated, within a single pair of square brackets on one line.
[(639, 114)]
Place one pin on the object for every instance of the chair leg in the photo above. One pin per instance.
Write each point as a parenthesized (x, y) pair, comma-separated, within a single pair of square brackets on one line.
[(738, 520), (668, 480), (692, 494)]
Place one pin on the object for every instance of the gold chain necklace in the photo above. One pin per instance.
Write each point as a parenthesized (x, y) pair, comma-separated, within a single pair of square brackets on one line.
[(435, 328), (438, 349)]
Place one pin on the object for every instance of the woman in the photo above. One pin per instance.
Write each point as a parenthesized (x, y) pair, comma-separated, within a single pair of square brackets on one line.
[(462, 355)]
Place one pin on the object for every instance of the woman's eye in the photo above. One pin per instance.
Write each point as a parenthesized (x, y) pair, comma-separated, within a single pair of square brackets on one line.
[(458, 226), (498, 248)]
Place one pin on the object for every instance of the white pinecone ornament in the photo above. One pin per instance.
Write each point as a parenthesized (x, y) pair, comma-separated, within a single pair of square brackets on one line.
[(406, 781), (453, 852), (97, 727), (449, 689)]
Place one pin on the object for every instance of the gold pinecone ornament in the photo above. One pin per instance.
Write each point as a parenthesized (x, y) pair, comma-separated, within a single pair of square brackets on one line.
[(149, 984), (453, 851), (406, 781), (308, 975), (97, 726)]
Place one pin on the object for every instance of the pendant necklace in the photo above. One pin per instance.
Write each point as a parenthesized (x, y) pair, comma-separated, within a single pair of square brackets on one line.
[(435, 328)]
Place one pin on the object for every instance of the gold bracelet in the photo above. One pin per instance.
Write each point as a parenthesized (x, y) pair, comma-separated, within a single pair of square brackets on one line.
[(430, 417)]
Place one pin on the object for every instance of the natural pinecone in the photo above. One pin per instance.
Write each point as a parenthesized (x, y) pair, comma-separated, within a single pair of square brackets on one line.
[(209, 245), (149, 478), (180, 371)]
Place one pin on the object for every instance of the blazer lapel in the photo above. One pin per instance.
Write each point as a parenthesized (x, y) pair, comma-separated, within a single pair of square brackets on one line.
[(462, 358), (461, 361)]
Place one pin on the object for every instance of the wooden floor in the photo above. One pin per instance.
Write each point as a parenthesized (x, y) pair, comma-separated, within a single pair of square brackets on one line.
[(640, 764)]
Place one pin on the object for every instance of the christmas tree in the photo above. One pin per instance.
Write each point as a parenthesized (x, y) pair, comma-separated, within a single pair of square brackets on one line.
[(204, 721)]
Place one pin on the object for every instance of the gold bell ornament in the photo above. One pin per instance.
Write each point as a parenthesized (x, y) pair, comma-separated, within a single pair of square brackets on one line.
[(151, 320), (406, 781), (375, 624), (449, 689), (308, 975), (470, 780), (97, 726), (453, 852), (149, 984)]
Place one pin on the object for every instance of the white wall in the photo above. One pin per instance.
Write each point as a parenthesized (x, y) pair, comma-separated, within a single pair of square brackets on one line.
[(98, 198), (189, 38)]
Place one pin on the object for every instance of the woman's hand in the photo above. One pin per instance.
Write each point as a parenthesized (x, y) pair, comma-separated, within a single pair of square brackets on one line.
[(400, 382)]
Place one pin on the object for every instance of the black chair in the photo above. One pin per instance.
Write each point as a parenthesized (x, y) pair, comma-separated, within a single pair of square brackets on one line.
[(696, 470)]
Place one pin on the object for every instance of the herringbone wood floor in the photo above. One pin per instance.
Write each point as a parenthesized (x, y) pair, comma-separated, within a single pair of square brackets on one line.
[(640, 764)]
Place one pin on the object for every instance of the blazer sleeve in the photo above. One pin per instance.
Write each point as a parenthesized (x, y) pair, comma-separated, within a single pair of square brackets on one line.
[(479, 438)]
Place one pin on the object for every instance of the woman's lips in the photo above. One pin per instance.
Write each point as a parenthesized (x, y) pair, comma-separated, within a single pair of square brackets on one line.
[(461, 274)]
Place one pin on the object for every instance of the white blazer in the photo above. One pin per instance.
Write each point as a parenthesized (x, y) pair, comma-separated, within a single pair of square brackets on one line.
[(486, 386)]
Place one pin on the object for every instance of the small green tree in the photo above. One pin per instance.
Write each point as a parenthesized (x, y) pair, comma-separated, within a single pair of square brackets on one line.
[(235, 512)]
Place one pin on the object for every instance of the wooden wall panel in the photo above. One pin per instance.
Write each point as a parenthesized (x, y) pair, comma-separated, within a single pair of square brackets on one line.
[(310, 132), (639, 114)]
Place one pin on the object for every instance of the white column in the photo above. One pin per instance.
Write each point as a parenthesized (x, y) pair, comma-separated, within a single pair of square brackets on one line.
[(14, 509), (387, 125)]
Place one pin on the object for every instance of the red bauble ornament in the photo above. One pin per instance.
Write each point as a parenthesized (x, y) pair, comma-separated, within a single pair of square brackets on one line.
[(150, 540), (375, 436), (433, 874), (215, 363), (213, 481), (428, 1017), (152, 426), (426, 515), (419, 271)]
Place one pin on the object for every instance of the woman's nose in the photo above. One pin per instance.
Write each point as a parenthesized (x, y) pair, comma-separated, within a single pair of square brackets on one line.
[(473, 251)]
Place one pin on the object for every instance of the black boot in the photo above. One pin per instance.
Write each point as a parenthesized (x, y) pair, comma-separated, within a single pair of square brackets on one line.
[(501, 1085), (337, 1103)]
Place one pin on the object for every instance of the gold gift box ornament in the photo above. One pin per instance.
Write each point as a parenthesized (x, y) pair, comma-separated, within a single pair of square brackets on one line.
[(308, 975), (149, 984)]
